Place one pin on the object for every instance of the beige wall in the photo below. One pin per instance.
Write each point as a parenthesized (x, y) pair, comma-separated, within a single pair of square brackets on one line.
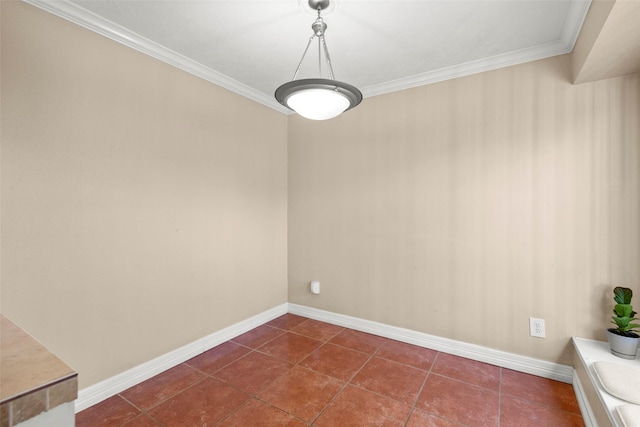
[(462, 208), (609, 41), (593, 24), (142, 208)]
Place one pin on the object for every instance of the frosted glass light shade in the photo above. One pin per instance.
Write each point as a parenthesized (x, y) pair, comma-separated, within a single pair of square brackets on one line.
[(318, 104), (318, 99)]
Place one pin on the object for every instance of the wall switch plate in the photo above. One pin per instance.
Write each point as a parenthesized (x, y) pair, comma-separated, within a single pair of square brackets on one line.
[(536, 327)]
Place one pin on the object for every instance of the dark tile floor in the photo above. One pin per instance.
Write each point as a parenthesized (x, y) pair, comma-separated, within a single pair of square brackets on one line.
[(295, 371)]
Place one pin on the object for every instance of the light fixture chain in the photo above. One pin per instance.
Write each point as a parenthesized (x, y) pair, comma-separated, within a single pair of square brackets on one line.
[(320, 38), (303, 55), (326, 54)]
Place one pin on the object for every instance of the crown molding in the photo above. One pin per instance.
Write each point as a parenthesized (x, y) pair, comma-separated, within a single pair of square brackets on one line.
[(577, 13), (73, 13), (469, 68), (89, 20)]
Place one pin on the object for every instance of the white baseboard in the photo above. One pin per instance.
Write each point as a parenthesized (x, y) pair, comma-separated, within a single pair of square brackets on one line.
[(111, 386), (585, 408), (529, 365)]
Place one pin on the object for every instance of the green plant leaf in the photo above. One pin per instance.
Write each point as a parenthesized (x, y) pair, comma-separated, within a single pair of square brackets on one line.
[(622, 295), (623, 310), (622, 322)]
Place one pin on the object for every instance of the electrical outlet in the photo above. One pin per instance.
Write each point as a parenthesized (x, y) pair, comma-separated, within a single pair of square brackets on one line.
[(536, 327)]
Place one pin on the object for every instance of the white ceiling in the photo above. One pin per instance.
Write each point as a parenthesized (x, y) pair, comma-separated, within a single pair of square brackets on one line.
[(253, 46)]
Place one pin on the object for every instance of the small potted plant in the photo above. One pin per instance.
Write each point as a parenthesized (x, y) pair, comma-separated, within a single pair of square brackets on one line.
[(623, 339)]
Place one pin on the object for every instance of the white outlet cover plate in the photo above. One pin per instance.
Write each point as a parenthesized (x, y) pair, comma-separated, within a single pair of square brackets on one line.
[(536, 327), (315, 287)]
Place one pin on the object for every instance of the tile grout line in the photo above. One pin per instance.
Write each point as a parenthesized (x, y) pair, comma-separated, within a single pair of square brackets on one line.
[(348, 382), (142, 411), (525, 399), (280, 409), (293, 365), (155, 420), (206, 376), (290, 363), (146, 411), (339, 391), (424, 382), (252, 396), (221, 420), (224, 366), (264, 343)]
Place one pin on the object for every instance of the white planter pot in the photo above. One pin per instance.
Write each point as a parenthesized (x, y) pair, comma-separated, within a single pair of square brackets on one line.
[(624, 347)]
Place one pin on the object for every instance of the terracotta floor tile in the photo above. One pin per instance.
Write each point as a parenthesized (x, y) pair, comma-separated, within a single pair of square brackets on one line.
[(408, 354), (298, 372), (359, 341), (357, 407), (291, 347), (423, 419), (153, 391), (141, 421), (259, 414), (459, 401), (555, 394), (113, 411), (301, 392), (218, 357), (521, 413), (318, 330), (204, 404), (258, 336), (252, 372), (286, 321), (471, 371), (391, 379), (335, 361)]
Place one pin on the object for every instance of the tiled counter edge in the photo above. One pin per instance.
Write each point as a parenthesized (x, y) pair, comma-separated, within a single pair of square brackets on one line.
[(33, 381)]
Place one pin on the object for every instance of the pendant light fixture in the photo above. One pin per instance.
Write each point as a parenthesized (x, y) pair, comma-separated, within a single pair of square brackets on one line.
[(318, 99)]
